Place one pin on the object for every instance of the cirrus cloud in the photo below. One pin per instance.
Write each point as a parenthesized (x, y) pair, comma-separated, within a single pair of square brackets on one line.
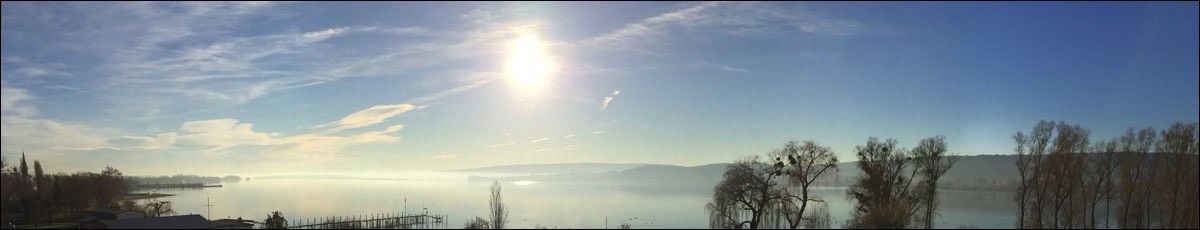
[(370, 116)]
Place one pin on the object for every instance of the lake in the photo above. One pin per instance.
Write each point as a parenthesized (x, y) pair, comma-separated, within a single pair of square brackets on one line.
[(562, 205)]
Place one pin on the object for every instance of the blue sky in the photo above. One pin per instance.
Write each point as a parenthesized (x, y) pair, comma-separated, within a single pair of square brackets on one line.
[(260, 88)]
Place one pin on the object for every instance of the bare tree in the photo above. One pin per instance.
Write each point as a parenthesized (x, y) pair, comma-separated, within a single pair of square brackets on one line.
[(1025, 175), (1175, 168), (1100, 173), (882, 191), (746, 195), (1031, 152), (1063, 183), (805, 163), (931, 157), (1133, 171), (1062, 174), (6, 184), (499, 210), (159, 209)]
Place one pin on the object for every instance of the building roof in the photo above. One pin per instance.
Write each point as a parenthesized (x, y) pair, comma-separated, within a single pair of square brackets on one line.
[(14, 216), (232, 223), (170, 222), (87, 219)]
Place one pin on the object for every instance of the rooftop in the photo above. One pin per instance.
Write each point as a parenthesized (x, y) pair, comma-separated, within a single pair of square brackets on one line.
[(170, 222)]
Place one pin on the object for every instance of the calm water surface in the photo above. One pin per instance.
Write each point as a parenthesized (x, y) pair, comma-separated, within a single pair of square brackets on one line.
[(548, 204)]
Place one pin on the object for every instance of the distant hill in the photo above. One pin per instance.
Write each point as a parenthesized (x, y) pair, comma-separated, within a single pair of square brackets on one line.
[(183, 179), (647, 178), (544, 169), (980, 166), (982, 172)]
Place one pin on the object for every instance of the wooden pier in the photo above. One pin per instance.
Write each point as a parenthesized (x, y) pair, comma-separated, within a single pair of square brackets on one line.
[(171, 186), (376, 221)]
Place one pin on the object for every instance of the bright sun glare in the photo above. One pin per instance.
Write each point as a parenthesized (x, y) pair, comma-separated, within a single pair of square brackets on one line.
[(528, 65)]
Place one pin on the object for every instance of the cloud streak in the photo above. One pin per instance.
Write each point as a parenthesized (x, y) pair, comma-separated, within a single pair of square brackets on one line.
[(370, 116), (500, 145), (539, 150), (443, 156), (735, 18), (607, 99)]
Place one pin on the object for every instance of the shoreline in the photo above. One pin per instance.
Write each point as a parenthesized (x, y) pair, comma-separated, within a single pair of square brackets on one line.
[(140, 196)]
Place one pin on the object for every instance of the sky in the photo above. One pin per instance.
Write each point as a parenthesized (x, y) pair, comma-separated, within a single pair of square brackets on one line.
[(260, 88)]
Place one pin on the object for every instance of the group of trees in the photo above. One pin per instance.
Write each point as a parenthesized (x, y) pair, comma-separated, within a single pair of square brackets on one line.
[(498, 217), (42, 197), (152, 208), (885, 196), (1151, 178), (756, 194), (275, 220)]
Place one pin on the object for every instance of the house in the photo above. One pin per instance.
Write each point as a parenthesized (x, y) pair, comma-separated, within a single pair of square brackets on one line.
[(92, 219), (117, 214), (170, 222), (233, 224), (11, 218)]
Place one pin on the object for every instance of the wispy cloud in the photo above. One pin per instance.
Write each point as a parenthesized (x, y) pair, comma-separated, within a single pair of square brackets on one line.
[(370, 116), (539, 140), (737, 18), (318, 147), (222, 133), (193, 52), (47, 135), (568, 136), (488, 78), (721, 66), (23, 129), (9, 98), (216, 137), (539, 150), (719, 20), (598, 132), (443, 156), (605, 124), (18, 69), (607, 99), (500, 145)]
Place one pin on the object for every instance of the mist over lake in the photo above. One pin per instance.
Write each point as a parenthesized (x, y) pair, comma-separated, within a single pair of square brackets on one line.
[(566, 205)]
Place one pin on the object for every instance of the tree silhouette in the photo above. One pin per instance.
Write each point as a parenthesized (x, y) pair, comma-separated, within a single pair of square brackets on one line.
[(756, 194), (746, 195), (930, 156), (882, 191), (805, 164), (275, 220), (477, 223), (1174, 196), (1063, 178), (159, 208), (499, 213)]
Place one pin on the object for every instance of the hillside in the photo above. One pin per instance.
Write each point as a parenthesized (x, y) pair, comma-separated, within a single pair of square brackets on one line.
[(544, 169), (983, 172)]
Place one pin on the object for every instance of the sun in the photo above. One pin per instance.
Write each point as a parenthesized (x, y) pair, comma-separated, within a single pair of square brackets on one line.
[(528, 65)]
